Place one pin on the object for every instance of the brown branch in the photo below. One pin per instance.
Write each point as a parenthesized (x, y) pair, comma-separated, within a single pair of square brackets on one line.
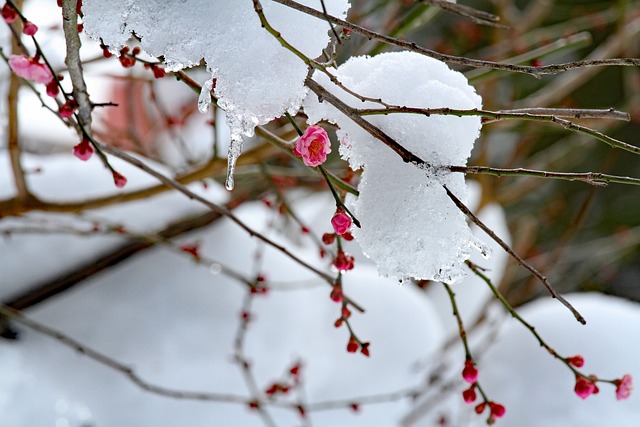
[(474, 15), (477, 63), (120, 367), (41, 292), (74, 64), (13, 137), (514, 255)]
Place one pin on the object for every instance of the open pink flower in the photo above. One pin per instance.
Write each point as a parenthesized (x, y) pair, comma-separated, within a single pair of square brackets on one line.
[(584, 387), (313, 146), (30, 69), (624, 387), (341, 222)]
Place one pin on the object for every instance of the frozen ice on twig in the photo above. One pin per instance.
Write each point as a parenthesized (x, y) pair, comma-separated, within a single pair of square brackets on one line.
[(257, 79)]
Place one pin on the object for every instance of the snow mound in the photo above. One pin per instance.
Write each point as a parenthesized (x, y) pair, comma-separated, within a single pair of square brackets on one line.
[(410, 227)]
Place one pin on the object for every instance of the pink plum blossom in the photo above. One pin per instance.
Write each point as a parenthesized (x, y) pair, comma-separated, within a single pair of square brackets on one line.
[(30, 69), (29, 29), (119, 179), (9, 14), (341, 222), (624, 387), (584, 387), (313, 146), (83, 151), (470, 372)]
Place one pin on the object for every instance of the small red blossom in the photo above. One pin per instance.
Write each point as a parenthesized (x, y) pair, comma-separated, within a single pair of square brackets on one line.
[(584, 387), (364, 348), (9, 14), (469, 395), (355, 407), (158, 72), (328, 238), (301, 411), (343, 261), (352, 345), (52, 88), (470, 373), (313, 146), (119, 179), (80, 27), (536, 62), (295, 369), (83, 150), (105, 52), (346, 313), (254, 404), (577, 361), (497, 410), (272, 390), (336, 293), (624, 387), (322, 252), (193, 250), (480, 408), (66, 110), (346, 31), (338, 322), (304, 230), (245, 315), (29, 29), (347, 236), (341, 222), (125, 60), (30, 69)]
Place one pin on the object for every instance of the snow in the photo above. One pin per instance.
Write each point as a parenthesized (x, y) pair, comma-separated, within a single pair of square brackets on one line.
[(175, 323), (519, 373), (257, 79), (428, 237)]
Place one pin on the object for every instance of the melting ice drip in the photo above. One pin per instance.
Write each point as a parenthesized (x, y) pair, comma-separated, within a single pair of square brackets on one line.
[(238, 126)]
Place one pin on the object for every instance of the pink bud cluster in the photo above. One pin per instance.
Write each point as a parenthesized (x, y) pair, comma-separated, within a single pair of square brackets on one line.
[(470, 375), (586, 386)]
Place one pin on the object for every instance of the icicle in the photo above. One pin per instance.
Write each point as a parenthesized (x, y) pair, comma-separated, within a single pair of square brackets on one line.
[(204, 99), (235, 149)]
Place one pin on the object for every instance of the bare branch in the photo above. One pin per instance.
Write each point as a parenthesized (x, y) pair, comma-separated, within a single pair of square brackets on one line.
[(74, 64), (514, 255), (477, 63)]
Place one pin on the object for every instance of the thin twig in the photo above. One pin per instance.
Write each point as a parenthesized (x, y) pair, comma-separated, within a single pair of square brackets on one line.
[(514, 255), (122, 368), (534, 71), (474, 15), (494, 115)]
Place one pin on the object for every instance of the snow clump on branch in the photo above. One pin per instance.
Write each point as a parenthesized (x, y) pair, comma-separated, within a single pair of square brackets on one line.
[(256, 79), (410, 227)]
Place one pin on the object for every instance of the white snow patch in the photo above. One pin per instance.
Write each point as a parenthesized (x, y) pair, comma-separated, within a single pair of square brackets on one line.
[(410, 227), (256, 78)]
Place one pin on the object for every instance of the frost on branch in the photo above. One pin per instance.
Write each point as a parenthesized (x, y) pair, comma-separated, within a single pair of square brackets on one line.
[(410, 228), (257, 79)]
